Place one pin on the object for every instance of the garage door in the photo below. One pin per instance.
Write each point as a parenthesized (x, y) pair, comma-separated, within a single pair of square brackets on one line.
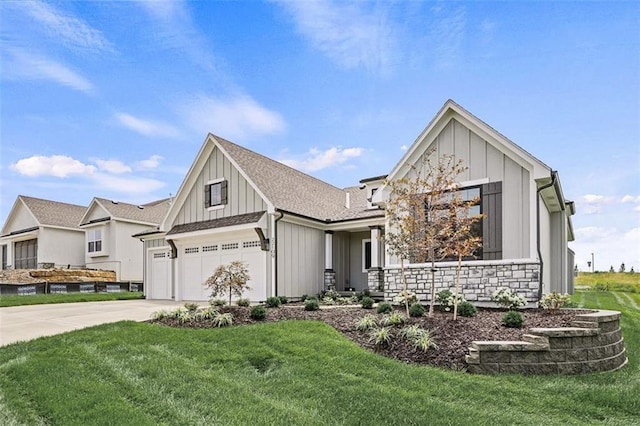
[(158, 283), (199, 261), (26, 254)]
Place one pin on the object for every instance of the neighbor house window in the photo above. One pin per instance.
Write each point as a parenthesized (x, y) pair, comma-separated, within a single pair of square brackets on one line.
[(215, 193), (372, 192), (94, 240)]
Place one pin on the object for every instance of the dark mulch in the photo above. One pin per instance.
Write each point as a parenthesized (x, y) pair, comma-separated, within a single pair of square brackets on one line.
[(452, 337)]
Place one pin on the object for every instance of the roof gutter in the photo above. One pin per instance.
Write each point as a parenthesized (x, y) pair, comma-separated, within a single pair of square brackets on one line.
[(554, 175), (274, 248)]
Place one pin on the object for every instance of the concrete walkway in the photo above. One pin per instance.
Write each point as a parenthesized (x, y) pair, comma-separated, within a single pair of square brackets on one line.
[(18, 323)]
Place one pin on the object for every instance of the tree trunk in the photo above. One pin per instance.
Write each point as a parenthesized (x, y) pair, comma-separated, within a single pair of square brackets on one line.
[(455, 296), (404, 285), (433, 286)]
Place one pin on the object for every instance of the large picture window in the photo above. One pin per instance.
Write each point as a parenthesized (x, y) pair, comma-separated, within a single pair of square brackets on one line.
[(215, 194)]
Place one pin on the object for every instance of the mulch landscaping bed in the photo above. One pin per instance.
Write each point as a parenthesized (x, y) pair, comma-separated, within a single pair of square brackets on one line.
[(452, 337)]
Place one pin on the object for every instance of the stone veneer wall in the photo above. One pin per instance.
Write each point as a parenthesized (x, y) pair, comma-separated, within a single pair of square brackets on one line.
[(478, 280), (593, 344)]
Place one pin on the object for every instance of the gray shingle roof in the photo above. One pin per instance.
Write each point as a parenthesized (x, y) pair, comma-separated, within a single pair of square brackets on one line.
[(296, 192), (54, 213), (147, 213), (217, 223)]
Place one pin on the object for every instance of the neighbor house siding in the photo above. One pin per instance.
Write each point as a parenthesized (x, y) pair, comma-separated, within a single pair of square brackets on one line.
[(22, 219), (300, 259), (130, 251), (241, 197), (61, 247), (96, 213)]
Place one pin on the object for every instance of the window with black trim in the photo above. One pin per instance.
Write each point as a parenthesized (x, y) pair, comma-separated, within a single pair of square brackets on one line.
[(215, 194), (94, 240)]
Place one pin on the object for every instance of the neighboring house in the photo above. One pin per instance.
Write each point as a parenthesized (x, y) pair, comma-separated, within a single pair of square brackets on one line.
[(300, 235), (42, 233), (107, 228)]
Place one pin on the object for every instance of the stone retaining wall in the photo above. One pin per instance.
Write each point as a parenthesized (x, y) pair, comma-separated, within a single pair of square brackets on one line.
[(594, 343), (478, 280)]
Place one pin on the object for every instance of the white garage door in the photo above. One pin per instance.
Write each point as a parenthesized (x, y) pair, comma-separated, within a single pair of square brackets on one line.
[(159, 276), (199, 261)]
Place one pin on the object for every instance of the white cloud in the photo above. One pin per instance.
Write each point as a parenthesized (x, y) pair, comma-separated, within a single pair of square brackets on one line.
[(151, 163), (113, 166), (146, 127), (60, 166), (65, 28), (236, 118), (317, 160), (592, 203), (348, 33), (404, 147), (20, 65), (630, 199)]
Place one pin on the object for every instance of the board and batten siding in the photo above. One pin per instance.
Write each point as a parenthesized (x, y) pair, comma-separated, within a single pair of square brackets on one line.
[(155, 243), (484, 161), (341, 241), (241, 197), (300, 259)]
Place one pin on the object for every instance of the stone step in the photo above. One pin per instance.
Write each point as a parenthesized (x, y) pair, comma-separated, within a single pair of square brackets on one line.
[(584, 324), (538, 340)]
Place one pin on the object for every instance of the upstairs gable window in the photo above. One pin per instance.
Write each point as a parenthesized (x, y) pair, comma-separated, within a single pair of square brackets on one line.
[(215, 193), (94, 240)]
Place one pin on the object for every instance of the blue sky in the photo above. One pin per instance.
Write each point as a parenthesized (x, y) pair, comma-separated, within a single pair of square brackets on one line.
[(114, 99)]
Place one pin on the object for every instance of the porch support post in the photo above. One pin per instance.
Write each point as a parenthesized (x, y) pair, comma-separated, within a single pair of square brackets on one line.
[(329, 273), (375, 247), (375, 274)]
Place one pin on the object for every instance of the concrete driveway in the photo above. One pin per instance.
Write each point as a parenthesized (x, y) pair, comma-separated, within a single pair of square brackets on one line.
[(18, 323)]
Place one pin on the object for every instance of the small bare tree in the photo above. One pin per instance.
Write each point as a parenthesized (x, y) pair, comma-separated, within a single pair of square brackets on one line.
[(418, 214), (462, 241), (230, 278)]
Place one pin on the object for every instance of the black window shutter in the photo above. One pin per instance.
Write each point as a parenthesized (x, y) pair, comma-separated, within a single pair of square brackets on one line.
[(223, 192), (492, 222), (207, 195)]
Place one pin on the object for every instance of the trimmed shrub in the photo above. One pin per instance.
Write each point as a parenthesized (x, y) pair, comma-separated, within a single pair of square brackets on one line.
[(367, 302), (258, 312), (217, 302), (508, 298), (366, 293), (311, 305), (554, 301), (191, 307), (513, 319), (283, 300), (416, 310), (466, 309), (243, 302), (272, 302), (384, 307)]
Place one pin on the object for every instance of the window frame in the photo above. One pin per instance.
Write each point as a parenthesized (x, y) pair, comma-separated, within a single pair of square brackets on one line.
[(96, 240), (223, 196), (364, 254)]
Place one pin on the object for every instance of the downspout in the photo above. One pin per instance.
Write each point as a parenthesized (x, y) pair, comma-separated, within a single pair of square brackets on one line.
[(538, 191), (274, 258)]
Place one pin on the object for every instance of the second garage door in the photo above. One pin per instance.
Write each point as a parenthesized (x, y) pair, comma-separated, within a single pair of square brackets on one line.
[(26, 254), (199, 261)]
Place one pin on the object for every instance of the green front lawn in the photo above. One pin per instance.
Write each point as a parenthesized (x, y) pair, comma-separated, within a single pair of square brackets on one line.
[(294, 372), (39, 299)]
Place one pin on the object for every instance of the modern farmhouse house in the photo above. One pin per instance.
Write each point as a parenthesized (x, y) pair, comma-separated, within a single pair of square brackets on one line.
[(39, 233), (108, 226), (300, 235)]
